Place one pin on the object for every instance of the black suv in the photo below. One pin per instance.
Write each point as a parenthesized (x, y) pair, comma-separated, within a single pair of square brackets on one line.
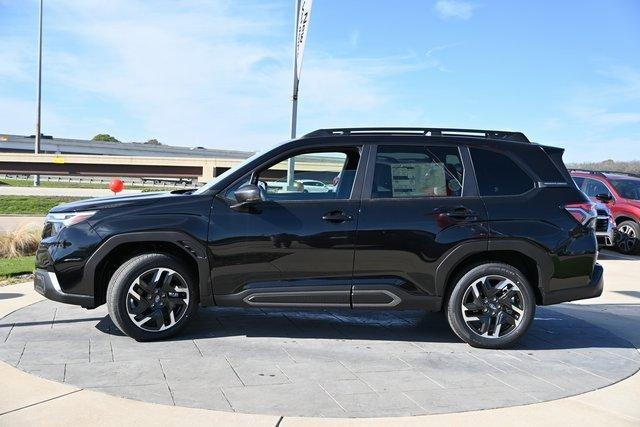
[(483, 225)]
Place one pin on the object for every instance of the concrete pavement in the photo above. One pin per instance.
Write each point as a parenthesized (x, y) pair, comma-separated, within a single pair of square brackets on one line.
[(35, 400)]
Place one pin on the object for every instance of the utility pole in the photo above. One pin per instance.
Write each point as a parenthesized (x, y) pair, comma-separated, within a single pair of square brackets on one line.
[(36, 177)]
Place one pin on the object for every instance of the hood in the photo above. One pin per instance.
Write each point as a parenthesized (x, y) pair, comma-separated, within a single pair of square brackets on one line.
[(111, 202)]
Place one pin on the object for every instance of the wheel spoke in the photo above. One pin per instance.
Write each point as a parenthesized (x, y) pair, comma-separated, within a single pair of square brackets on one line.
[(510, 319), (156, 277), (158, 317), (166, 283), (487, 290), (146, 286), (506, 298), (141, 322), (485, 323), (473, 305), (140, 307)]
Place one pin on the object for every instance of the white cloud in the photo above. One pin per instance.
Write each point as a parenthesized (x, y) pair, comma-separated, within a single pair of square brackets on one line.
[(433, 61), (454, 9), (196, 73), (614, 103)]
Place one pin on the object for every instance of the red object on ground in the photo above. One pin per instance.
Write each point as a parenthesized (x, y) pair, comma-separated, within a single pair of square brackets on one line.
[(116, 185)]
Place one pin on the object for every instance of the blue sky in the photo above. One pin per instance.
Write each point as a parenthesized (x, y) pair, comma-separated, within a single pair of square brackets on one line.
[(218, 73)]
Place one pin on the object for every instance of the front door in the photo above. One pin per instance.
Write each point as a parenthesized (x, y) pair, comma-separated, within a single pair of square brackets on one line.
[(417, 206), (296, 247)]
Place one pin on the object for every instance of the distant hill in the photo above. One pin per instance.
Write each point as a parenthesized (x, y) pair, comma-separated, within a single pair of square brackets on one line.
[(632, 166)]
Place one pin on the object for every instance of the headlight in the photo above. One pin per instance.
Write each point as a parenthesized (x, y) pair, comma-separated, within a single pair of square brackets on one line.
[(58, 221)]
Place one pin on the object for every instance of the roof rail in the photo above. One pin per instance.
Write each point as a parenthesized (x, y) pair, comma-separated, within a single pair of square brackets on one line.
[(585, 171), (473, 133), (592, 172)]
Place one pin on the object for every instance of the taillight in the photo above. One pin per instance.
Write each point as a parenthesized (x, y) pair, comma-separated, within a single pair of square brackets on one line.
[(582, 212)]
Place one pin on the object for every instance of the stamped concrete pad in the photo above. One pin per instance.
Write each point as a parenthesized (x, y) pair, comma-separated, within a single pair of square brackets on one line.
[(324, 363)]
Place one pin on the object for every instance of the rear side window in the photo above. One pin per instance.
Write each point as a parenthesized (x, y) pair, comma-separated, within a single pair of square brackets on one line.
[(498, 175), (417, 171)]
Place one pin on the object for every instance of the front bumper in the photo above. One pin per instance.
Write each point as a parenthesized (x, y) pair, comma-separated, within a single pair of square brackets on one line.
[(592, 290), (46, 283), (605, 231)]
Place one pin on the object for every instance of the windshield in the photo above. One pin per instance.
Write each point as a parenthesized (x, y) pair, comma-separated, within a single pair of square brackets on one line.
[(225, 174), (627, 188)]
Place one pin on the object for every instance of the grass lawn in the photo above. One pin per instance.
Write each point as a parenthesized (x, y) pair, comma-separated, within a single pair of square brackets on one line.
[(12, 267), (31, 205)]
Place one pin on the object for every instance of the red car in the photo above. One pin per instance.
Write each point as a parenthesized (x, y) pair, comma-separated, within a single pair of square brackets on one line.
[(621, 193)]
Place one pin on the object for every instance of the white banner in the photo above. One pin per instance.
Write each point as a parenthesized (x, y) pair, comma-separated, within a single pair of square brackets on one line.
[(302, 28)]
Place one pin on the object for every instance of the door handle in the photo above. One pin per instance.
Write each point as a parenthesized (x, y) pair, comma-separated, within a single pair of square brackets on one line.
[(336, 216), (459, 213)]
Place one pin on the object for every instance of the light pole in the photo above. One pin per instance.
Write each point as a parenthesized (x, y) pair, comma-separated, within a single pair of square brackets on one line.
[(301, 28), (36, 177), (294, 106)]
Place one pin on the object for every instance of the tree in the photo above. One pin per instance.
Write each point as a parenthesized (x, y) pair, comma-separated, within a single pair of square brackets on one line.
[(104, 137), (153, 142)]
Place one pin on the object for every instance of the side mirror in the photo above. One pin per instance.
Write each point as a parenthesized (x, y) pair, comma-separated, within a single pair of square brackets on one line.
[(604, 197), (246, 196)]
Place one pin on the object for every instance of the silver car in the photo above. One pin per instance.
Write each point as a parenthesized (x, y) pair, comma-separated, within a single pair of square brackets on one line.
[(605, 225)]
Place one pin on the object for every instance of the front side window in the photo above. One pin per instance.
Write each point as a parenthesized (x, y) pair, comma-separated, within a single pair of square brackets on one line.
[(417, 171), (498, 175), (627, 188), (316, 176), (595, 187)]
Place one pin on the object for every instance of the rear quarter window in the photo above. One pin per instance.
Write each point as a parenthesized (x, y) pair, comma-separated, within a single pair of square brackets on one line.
[(538, 161), (498, 175)]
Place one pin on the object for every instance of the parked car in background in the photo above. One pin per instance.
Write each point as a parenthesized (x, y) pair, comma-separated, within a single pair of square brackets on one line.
[(620, 192), (314, 186), (299, 185)]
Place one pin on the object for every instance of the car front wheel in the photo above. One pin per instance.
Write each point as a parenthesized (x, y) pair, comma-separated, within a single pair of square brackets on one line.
[(491, 306), (627, 237), (151, 296)]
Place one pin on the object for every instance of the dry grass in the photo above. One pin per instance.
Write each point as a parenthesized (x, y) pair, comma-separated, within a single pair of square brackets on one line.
[(20, 242)]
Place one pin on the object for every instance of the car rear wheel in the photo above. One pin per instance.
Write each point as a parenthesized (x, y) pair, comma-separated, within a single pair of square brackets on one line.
[(491, 306), (627, 237), (151, 297)]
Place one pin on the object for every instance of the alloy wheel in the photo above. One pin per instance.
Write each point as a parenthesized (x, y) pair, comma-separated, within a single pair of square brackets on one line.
[(626, 238), (157, 299), (493, 306)]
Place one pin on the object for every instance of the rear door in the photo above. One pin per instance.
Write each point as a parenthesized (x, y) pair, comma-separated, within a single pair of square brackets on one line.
[(419, 202)]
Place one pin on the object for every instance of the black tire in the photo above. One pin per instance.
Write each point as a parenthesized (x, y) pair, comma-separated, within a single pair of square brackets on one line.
[(628, 238), (500, 308), (163, 303)]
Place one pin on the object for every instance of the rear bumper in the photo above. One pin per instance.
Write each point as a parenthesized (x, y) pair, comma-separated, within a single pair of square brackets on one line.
[(46, 283), (592, 290)]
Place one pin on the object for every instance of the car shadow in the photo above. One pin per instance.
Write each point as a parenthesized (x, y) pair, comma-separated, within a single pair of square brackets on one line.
[(551, 329)]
